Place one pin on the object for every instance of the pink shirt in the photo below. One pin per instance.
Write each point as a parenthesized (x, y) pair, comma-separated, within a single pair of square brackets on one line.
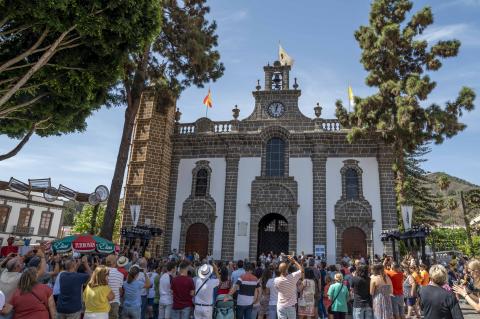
[(287, 289)]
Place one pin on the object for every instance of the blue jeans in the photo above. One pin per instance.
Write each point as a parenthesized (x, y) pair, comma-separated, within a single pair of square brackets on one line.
[(155, 310), (272, 312), (362, 313), (181, 313), (322, 311), (144, 307), (243, 312), (130, 313)]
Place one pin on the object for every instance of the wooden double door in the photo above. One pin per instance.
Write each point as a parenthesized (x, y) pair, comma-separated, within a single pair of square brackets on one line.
[(197, 239), (354, 242)]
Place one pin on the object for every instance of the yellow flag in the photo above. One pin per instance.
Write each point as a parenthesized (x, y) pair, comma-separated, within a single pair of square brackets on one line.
[(350, 96), (283, 57)]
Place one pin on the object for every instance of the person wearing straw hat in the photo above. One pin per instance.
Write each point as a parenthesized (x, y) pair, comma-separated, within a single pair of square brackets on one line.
[(205, 283)]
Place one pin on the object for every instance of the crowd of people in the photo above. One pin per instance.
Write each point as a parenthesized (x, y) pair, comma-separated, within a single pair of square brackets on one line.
[(47, 286)]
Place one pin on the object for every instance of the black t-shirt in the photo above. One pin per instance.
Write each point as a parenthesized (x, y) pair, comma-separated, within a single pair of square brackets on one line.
[(437, 303), (361, 292)]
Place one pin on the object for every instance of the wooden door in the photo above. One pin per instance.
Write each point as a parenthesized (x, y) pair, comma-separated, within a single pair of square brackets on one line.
[(197, 239), (354, 242)]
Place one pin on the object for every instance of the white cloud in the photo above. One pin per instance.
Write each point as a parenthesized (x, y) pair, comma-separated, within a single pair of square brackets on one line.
[(436, 33), (89, 166), (466, 33), (232, 17)]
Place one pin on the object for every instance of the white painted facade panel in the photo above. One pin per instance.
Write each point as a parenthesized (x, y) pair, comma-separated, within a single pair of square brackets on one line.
[(17, 201), (248, 169), (217, 191), (371, 192), (301, 170)]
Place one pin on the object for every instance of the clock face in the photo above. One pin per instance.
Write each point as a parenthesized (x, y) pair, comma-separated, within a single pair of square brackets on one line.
[(276, 109)]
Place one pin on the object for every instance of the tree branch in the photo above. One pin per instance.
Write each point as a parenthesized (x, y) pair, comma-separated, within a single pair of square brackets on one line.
[(41, 62), (22, 56), (16, 30), (9, 110), (3, 21), (19, 146)]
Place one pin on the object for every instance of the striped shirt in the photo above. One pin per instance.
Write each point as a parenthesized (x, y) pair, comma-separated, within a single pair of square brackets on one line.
[(247, 284), (115, 282), (287, 289)]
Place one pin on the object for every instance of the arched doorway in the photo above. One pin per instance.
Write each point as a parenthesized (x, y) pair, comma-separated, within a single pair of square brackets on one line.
[(272, 234), (354, 242), (197, 239)]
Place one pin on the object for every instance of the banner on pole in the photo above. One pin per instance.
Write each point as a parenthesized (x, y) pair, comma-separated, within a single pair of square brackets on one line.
[(135, 211), (407, 212)]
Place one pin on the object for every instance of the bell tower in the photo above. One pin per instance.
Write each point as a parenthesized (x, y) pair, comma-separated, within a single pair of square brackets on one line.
[(277, 77), (277, 101)]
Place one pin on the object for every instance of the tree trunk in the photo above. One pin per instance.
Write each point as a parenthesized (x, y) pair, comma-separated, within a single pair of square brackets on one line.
[(133, 104), (467, 224), (19, 146), (119, 173)]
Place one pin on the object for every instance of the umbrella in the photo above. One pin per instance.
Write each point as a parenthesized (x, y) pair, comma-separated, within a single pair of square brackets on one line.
[(83, 244)]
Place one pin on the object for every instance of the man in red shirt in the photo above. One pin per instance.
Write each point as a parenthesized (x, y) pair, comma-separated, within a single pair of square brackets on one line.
[(396, 275), (9, 248), (183, 290)]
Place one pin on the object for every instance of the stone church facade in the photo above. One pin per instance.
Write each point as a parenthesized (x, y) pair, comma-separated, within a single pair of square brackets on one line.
[(273, 181)]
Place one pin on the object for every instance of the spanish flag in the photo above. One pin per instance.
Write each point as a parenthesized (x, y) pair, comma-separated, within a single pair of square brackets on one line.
[(350, 96), (207, 101)]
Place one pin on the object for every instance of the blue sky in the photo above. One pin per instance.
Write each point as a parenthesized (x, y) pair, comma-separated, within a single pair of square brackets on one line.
[(319, 36)]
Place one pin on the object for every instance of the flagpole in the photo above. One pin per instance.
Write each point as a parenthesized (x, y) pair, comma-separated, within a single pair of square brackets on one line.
[(206, 111)]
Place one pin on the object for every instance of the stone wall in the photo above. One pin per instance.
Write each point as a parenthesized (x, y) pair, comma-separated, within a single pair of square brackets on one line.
[(150, 166)]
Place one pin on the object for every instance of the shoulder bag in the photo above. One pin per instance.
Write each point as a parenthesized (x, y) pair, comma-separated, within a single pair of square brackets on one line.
[(334, 299)]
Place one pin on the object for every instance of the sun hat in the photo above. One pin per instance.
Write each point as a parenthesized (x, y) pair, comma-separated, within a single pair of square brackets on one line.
[(122, 261), (205, 271)]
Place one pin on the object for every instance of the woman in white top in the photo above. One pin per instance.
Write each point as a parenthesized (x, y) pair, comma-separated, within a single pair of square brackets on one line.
[(272, 303)]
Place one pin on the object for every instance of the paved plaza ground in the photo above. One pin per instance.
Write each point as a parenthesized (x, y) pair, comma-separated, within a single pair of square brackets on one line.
[(468, 312)]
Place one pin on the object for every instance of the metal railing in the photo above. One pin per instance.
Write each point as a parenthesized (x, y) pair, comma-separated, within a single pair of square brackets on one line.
[(22, 230)]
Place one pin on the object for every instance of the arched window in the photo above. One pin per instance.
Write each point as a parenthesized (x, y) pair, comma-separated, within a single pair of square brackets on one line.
[(275, 159), (351, 183), (201, 182)]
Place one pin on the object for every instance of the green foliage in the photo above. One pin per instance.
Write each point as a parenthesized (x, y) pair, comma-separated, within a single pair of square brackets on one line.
[(416, 188), (78, 78), (444, 239), (397, 61), (83, 221), (70, 209), (443, 182)]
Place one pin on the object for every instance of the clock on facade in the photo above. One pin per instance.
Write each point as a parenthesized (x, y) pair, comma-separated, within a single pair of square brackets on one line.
[(276, 109)]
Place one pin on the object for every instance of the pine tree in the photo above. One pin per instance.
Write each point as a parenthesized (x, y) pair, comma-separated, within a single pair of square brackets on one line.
[(182, 54), (398, 63), (417, 191)]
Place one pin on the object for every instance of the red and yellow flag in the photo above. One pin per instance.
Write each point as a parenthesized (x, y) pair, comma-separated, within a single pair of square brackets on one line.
[(207, 101)]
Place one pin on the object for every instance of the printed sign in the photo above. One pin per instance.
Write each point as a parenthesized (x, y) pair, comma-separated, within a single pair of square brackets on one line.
[(320, 251)]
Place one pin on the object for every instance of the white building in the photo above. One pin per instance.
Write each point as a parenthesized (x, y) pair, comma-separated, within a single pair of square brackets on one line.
[(276, 180), (29, 217)]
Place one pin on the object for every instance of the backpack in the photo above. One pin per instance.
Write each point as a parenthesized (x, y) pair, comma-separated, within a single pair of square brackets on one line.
[(224, 309)]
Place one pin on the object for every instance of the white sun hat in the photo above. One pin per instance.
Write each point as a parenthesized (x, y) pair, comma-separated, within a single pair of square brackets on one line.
[(205, 271)]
